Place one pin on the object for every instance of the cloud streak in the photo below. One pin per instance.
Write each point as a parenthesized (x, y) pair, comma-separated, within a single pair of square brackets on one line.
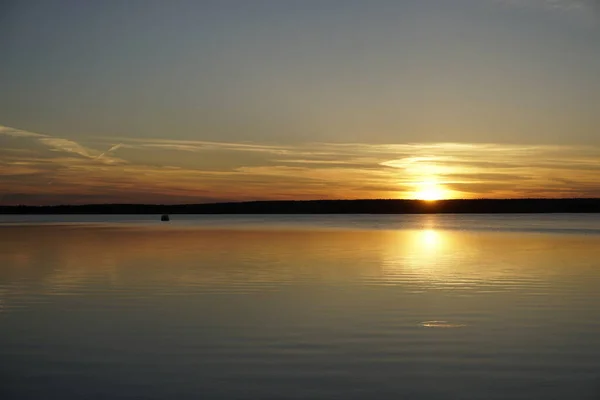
[(198, 171), (61, 145)]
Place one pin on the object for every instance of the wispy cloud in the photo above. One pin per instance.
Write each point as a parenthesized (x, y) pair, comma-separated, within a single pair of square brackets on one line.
[(113, 148), (8, 131), (167, 170), (199, 145), (67, 146), (62, 145)]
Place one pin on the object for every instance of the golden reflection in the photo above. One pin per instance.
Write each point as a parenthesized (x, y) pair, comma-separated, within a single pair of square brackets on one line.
[(430, 238), (426, 252), (456, 260), (65, 258), (441, 324)]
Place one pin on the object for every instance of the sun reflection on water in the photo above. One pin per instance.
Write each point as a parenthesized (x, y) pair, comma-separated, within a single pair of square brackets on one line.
[(430, 238), (425, 257)]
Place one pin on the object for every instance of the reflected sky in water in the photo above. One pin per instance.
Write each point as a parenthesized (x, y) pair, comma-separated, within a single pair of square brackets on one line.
[(293, 311)]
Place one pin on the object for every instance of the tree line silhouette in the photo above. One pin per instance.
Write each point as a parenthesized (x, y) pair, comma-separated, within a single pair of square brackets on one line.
[(382, 206)]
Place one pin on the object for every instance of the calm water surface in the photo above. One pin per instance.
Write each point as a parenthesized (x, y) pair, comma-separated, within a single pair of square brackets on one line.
[(300, 307)]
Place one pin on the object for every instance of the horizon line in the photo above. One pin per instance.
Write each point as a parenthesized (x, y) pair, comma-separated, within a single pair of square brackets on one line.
[(307, 201)]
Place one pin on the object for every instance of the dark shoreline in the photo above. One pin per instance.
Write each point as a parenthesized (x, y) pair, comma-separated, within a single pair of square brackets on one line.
[(480, 206)]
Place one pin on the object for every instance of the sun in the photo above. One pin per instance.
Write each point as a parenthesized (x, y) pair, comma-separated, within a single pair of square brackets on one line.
[(430, 192)]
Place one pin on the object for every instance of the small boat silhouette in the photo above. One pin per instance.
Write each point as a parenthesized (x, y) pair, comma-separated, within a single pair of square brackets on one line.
[(165, 217)]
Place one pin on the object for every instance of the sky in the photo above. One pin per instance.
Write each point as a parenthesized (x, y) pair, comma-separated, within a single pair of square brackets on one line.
[(145, 101)]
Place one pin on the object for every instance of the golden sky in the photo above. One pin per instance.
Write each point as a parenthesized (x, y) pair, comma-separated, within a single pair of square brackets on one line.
[(37, 168)]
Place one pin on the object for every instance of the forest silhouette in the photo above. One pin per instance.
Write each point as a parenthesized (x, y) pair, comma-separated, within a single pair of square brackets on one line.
[(470, 206)]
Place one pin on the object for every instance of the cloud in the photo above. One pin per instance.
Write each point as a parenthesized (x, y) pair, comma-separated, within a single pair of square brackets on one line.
[(62, 145), (67, 146), (113, 148), (169, 170), (199, 145), (8, 131)]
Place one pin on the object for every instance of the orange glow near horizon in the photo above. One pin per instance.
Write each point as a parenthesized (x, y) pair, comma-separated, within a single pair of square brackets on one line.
[(39, 169), (431, 191)]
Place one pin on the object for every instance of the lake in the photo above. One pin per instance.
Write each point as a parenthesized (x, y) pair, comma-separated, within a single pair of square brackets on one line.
[(300, 307)]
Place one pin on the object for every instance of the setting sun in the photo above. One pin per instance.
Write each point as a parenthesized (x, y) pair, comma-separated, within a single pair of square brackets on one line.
[(430, 192)]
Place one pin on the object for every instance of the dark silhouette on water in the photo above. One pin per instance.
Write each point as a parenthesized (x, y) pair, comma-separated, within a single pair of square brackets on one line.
[(165, 217), (482, 206)]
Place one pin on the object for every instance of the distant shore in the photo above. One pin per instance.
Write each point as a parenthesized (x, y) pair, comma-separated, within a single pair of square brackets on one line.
[(479, 206)]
